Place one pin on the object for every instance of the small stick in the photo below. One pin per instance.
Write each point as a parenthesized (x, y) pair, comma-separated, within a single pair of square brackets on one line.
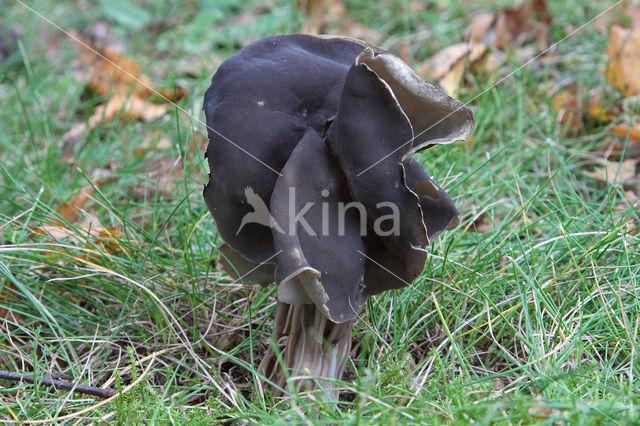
[(58, 384)]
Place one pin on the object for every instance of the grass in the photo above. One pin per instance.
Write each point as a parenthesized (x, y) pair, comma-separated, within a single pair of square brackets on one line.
[(535, 320)]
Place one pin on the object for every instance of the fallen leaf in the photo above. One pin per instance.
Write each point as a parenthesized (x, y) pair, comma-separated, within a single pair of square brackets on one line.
[(452, 80), (632, 185), (624, 60), (615, 148), (489, 63), (320, 13), (447, 66), (514, 26), (480, 26), (542, 413), (597, 111), (87, 231), (629, 146), (111, 240), (441, 63), (69, 212), (626, 130), (330, 16), (569, 110), (106, 71), (614, 172), (480, 224), (108, 240), (125, 107), (153, 140)]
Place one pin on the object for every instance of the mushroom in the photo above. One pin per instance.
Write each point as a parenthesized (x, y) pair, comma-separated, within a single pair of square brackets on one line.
[(313, 187)]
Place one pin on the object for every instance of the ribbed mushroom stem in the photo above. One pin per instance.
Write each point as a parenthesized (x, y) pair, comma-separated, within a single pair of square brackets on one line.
[(314, 350)]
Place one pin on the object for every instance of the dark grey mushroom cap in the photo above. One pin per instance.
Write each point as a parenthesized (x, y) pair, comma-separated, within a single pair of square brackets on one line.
[(261, 102), (336, 120)]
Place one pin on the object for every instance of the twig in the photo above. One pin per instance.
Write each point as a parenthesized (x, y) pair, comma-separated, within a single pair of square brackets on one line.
[(58, 384)]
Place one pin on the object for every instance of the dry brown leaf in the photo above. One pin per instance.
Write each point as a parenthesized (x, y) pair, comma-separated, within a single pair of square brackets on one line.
[(69, 211), (514, 26), (569, 110), (153, 140), (452, 80), (614, 172), (111, 240), (624, 60), (626, 130), (330, 16), (121, 105), (121, 81), (542, 413), (614, 149), (448, 65), (489, 63), (510, 28), (320, 13), (480, 26), (596, 110), (481, 224), (106, 239), (108, 72)]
